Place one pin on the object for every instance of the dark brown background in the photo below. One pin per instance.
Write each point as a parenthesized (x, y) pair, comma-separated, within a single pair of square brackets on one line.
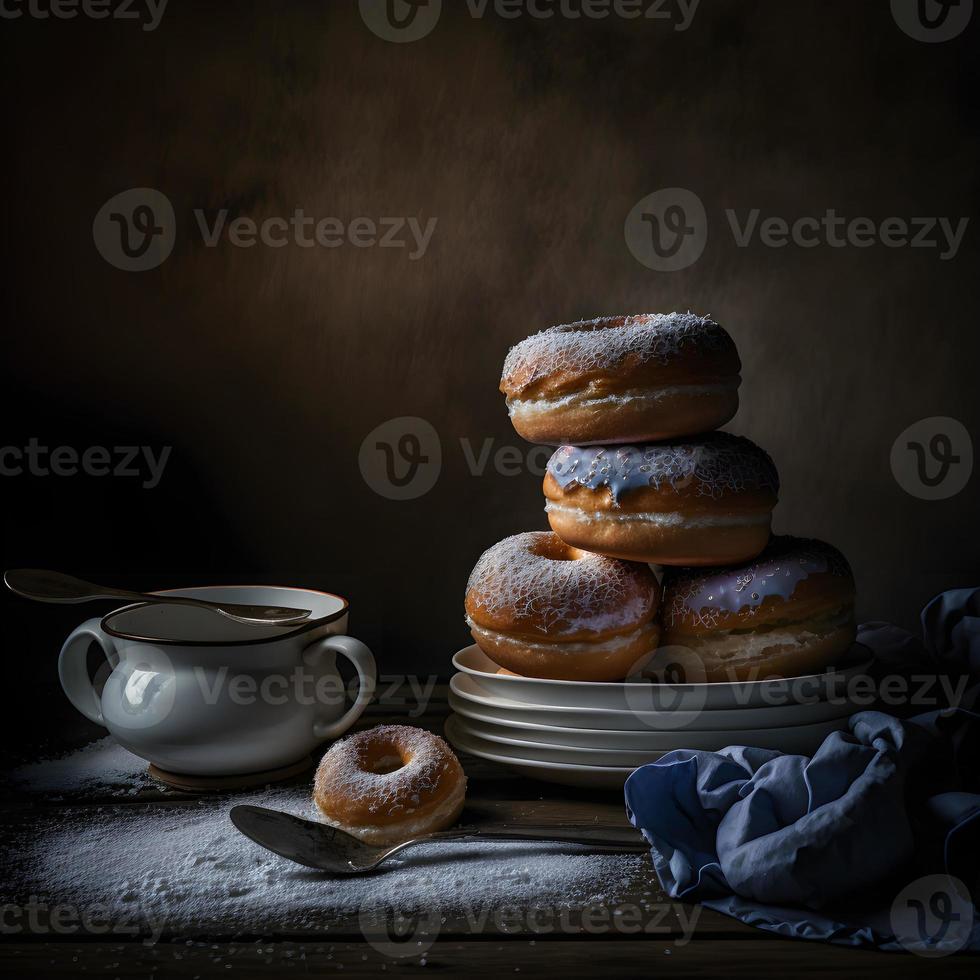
[(529, 141)]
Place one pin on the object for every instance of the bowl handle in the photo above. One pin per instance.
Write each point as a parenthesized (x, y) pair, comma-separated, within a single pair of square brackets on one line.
[(73, 668), (367, 673)]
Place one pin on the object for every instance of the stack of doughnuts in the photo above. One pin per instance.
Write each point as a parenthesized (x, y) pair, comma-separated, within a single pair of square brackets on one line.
[(640, 477)]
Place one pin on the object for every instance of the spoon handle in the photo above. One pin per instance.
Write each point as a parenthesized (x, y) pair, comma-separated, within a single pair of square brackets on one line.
[(583, 838), (531, 834), (47, 586)]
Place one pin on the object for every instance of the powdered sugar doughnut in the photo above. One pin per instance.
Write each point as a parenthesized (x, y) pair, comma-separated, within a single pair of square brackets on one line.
[(788, 612), (704, 501), (543, 609), (390, 783), (622, 379)]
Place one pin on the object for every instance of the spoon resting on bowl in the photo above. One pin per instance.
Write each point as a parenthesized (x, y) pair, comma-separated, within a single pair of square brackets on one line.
[(47, 586)]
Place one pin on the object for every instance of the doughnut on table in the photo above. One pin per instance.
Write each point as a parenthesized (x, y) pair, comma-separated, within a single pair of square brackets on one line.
[(635, 930)]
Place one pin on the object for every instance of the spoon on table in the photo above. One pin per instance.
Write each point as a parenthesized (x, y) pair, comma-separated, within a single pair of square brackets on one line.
[(320, 846), (46, 586)]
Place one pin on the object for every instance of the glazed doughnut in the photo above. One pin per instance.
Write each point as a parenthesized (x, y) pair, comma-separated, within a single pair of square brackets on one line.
[(707, 501), (390, 783), (622, 379), (789, 612), (540, 608)]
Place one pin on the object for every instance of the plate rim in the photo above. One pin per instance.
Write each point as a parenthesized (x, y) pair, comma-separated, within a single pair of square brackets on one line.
[(695, 731), (524, 744), (537, 763), (619, 685), (489, 719), (491, 702)]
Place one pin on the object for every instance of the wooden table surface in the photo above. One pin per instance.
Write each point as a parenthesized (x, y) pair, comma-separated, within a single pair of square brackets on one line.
[(657, 938)]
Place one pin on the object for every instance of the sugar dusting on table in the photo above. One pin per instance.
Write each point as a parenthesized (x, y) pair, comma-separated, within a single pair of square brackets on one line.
[(184, 868), (103, 767)]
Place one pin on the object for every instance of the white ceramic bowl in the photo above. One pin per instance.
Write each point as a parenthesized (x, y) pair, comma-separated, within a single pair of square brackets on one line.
[(565, 774), (647, 695)]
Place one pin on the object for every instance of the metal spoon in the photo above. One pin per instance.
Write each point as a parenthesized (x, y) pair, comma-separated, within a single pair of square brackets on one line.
[(320, 846), (46, 586)]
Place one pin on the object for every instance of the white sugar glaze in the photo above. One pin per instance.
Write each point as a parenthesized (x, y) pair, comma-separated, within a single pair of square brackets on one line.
[(591, 592), (605, 342)]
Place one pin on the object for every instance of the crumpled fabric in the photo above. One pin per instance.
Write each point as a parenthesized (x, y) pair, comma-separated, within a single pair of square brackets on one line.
[(841, 846)]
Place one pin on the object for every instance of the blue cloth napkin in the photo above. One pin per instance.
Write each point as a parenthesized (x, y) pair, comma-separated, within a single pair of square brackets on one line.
[(874, 841)]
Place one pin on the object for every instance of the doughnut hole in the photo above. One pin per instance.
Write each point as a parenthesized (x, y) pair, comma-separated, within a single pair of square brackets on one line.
[(554, 549)]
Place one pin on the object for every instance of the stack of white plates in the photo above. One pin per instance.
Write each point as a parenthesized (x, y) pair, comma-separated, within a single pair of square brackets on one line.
[(590, 734)]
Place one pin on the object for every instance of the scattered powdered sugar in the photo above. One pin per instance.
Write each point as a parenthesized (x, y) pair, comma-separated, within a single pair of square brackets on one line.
[(606, 342), (103, 768), (705, 595), (713, 465), (555, 597), (184, 868)]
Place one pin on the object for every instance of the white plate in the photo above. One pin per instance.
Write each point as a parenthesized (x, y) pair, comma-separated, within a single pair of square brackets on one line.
[(584, 777), (467, 697), (647, 746), (544, 752), (648, 695), (485, 722), (730, 719)]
